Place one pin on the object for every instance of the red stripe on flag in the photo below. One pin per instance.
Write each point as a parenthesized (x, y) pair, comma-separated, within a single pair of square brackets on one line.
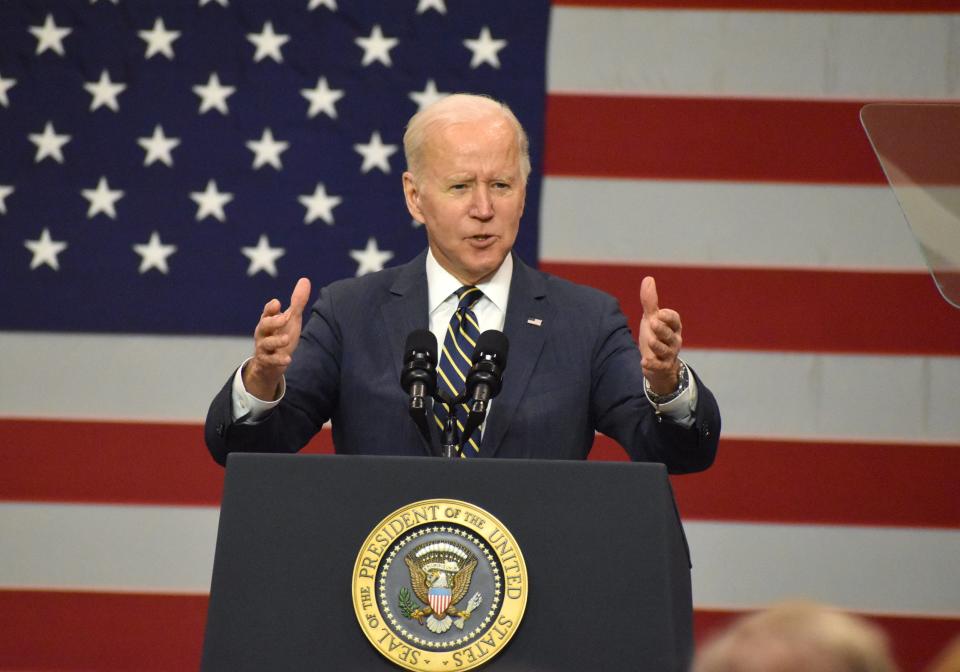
[(41, 630), (708, 139), (819, 483), (752, 480), (51, 630), (106, 462), (780, 309), (914, 142), (906, 6), (112, 462)]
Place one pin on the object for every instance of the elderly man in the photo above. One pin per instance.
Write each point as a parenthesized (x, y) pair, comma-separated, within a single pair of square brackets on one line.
[(574, 367)]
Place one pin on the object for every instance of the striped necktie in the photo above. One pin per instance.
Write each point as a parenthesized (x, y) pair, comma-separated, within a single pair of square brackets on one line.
[(455, 361)]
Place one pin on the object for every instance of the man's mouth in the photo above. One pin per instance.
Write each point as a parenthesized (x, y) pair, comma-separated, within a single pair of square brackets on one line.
[(482, 241)]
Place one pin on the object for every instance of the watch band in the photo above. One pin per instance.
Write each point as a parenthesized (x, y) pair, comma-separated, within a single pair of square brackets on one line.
[(683, 382)]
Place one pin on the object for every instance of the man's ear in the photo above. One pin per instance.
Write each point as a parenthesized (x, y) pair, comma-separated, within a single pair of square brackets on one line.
[(412, 196)]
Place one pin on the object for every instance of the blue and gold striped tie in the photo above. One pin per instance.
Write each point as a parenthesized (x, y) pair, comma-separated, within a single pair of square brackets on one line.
[(455, 360)]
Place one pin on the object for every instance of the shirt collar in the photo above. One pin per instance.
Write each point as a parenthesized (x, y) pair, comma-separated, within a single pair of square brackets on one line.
[(441, 284)]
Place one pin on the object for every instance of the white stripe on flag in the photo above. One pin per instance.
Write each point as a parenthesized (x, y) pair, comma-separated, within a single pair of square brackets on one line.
[(753, 53), (879, 570), (770, 394), (159, 378), (107, 548), (725, 224), (170, 549), (811, 396)]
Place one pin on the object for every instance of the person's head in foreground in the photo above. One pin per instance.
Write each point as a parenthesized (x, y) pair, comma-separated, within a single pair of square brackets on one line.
[(949, 658), (797, 637)]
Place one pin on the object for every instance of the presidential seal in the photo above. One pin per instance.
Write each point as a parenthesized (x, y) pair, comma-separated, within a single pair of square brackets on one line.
[(439, 585)]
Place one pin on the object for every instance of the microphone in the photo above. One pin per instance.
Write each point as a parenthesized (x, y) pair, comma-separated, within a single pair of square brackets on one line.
[(485, 377), (419, 375)]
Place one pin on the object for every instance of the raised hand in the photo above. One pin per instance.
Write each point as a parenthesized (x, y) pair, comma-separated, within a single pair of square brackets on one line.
[(274, 340), (659, 340)]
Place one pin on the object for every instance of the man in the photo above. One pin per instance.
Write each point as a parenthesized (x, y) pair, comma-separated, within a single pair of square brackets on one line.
[(573, 368), (797, 637)]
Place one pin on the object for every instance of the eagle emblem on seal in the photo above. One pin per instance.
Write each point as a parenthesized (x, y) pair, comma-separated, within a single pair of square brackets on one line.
[(440, 574)]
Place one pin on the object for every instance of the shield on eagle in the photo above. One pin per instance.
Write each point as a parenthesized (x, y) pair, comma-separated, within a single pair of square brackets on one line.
[(439, 599)]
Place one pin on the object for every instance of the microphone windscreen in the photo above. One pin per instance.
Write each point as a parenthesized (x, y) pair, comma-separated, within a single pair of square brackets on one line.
[(493, 343), (421, 341)]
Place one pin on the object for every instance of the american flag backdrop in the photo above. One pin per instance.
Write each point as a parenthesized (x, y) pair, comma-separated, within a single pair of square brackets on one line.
[(167, 167)]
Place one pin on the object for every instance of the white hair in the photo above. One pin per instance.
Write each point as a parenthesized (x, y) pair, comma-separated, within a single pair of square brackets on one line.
[(454, 109)]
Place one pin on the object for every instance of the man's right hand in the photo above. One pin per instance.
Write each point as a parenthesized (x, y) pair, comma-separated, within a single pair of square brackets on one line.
[(274, 340)]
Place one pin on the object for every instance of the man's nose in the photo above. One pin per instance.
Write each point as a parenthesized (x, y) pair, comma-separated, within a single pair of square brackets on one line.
[(482, 205)]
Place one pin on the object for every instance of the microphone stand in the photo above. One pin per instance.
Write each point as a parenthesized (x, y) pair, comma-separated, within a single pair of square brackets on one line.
[(476, 416), (450, 439), (418, 412)]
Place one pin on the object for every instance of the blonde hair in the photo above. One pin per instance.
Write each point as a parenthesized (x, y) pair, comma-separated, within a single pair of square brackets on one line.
[(453, 109), (949, 659), (797, 637)]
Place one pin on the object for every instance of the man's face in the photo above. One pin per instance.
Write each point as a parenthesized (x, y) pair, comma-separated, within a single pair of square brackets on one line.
[(470, 196)]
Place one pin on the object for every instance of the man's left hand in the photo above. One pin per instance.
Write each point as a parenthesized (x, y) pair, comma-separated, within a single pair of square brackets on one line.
[(659, 341)]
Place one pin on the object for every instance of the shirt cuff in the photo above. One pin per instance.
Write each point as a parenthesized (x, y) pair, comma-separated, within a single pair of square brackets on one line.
[(248, 409)]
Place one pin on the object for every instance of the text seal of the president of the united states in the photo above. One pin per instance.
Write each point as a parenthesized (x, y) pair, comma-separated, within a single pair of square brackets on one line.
[(439, 584)]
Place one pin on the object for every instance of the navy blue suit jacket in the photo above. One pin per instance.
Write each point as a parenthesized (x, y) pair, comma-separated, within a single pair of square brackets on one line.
[(577, 372)]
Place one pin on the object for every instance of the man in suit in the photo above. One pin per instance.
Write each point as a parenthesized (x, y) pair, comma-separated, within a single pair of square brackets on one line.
[(574, 367)]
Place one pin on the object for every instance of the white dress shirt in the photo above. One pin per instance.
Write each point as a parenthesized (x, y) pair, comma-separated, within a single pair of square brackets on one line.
[(442, 301)]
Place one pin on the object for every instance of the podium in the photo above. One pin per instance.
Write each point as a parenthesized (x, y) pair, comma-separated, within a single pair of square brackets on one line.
[(607, 563)]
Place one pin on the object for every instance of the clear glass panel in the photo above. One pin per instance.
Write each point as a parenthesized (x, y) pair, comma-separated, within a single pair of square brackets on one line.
[(919, 148)]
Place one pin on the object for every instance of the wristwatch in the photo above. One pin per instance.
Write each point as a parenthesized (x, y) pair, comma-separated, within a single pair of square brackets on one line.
[(683, 378)]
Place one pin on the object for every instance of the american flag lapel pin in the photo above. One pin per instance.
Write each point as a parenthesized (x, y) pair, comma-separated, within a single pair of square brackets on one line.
[(535, 321)]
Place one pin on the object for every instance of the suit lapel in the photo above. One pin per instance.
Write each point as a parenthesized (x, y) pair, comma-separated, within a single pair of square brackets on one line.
[(526, 302), (405, 309)]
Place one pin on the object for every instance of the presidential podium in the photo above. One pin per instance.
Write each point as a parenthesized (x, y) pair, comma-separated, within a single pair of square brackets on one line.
[(608, 570)]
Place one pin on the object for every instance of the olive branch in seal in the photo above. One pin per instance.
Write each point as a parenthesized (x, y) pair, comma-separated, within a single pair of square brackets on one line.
[(407, 605)]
